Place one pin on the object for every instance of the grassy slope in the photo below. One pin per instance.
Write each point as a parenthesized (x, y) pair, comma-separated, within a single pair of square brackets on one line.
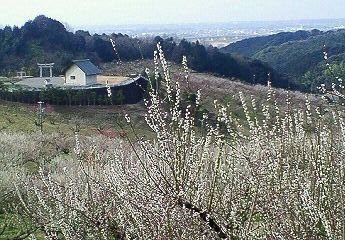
[(21, 118), (214, 87)]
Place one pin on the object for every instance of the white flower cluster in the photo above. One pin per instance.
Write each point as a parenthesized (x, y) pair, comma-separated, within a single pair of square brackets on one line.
[(337, 87), (109, 93), (261, 172), (115, 49)]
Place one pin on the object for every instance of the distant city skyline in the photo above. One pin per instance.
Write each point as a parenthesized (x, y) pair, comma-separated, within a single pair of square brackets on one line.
[(129, 12)]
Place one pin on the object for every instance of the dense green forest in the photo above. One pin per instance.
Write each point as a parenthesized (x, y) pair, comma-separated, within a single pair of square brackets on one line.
[(249, 47), (298, 56), (46, 40)]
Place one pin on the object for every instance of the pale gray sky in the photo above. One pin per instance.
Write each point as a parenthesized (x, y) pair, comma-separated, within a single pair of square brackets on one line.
[(113, 12)]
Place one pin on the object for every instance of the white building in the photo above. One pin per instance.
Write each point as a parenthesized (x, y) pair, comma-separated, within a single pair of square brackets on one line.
[(81, 73)]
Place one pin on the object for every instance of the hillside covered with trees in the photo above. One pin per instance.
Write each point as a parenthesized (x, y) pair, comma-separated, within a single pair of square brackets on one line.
[(46, 40), (249, 47), (298, 56)]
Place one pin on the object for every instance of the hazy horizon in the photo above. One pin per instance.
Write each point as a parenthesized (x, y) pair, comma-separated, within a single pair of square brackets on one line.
[(152, 12), (215, 23), (80, 26)]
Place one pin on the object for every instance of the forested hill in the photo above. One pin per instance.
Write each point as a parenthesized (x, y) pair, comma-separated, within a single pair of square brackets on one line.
[(46, 40), (298, 56), (248, 47)]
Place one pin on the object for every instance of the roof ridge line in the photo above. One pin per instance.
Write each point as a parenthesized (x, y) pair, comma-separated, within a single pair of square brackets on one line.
[(81, 60)]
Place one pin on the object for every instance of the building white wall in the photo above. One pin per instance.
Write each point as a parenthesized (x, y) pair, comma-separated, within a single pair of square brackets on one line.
[(80, 77), (92, 79)]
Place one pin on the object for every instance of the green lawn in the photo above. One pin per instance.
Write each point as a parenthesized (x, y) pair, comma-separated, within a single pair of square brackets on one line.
[(12, 226), (88, 120)]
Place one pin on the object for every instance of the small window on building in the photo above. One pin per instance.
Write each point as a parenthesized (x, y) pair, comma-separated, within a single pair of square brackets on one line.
[(72, 77)]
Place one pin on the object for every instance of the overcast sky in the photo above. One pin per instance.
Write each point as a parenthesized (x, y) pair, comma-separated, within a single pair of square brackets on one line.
[(113, 12)]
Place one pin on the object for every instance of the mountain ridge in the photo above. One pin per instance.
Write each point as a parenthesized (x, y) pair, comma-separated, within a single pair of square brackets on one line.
[(293, 55)]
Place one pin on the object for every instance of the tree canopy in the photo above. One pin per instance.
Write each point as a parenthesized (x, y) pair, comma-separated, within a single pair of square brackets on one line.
[(47, 40)]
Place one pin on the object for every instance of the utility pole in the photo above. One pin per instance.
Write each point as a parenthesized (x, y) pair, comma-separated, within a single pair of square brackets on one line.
[(40, 115)]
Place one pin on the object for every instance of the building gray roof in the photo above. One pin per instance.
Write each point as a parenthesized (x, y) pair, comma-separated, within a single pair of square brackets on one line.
[(87, 67)]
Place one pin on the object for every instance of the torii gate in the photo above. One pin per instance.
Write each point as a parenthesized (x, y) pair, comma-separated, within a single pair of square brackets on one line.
[(46, 65)]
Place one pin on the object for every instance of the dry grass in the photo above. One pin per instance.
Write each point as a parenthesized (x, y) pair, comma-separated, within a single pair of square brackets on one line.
[(222, 89), (212, 87), (134, 67), (111, 79)]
